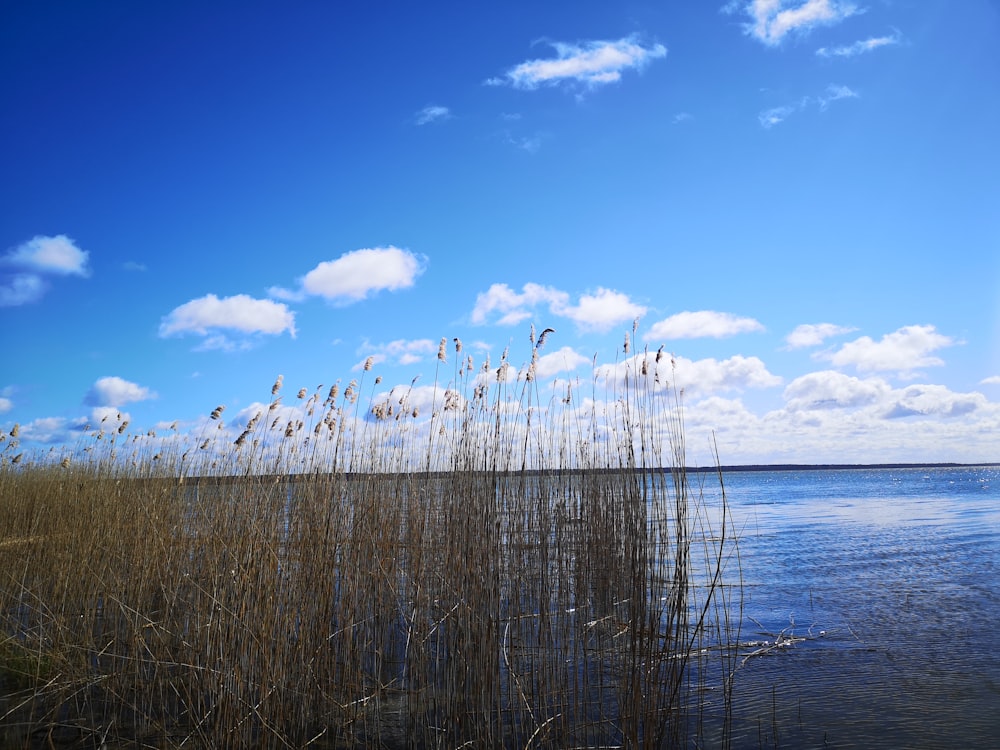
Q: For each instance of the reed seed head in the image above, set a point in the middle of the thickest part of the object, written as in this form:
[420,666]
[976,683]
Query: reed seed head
[217,411]
[442,357]
[368,363]
[277,385]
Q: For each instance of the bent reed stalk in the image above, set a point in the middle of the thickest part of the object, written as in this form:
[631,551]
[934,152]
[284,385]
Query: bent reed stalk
[506,571]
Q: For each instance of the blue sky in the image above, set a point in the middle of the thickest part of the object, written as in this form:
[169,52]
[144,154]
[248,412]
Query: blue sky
[797,199]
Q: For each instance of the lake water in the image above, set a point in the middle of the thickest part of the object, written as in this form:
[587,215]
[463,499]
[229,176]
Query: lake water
[891,579]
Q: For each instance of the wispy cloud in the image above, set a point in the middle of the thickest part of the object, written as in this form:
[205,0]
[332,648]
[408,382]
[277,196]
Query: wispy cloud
[833,93]
[599,311]
[432,113]
[681,117]
[772,20]
[701,324]
[5,405]
[400,351]
[591,63]
[213,318]
[115,391]
[991,380]
[814,334]
[133,266]
[35,259]
[768,118]
[776,115]
[355,275]
[902,351]
[859,47]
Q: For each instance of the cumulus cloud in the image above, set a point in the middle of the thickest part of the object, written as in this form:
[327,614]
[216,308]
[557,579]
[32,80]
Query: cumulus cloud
[210,316]
[33,260]
[696,378]
[701,324]
[833,390]
[991,380]
[903,351]
[355,275]
[563,360]
[591,63]
[859,47]
[933,400]
[602,310]
[814,334]
[5,405]
[599,311]
[53,430]
[772,20]
[432,114]
[115,391]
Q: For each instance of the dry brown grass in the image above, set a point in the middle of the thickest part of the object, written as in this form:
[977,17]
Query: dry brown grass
[507,572]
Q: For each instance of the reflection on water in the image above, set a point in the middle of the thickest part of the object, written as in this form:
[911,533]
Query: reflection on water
[890,577]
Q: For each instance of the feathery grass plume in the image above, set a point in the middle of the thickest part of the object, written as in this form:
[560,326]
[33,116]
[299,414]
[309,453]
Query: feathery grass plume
[628,345]
[368,364]
[277,385]
[458,345]
[123,426]
[544,335]
[378,379]
[301,394]
[442,356]
[217,412]
[16,430]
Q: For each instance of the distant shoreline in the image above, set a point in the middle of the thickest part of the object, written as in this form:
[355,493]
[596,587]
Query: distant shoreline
[832,467]
[738,468]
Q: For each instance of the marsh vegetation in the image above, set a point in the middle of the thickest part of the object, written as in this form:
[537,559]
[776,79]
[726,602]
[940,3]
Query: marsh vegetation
[510,569]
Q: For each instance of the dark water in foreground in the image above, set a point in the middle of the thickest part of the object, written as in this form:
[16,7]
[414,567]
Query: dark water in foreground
[892,578]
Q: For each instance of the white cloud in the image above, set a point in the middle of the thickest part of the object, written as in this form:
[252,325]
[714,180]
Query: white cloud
[772,20]
[400,351]
[36,258]
[704,376]
[599,311]
[991,380]
[696,378]
[592,63]
[20,289]
[115,391]
[830,389]
[903,351]
[52,430]
[602,310]
[512,306]
[835,92]
[681,117]
[774,116]
[209,315]
[933,400]
[768,118]
[131,265]
[355,275]
[432,114]
[814,334]
[701,324]
[563,360]
[56,255]
[859,47]
[5,405]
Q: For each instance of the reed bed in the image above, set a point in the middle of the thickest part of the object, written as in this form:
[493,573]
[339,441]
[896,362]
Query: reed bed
[507,571]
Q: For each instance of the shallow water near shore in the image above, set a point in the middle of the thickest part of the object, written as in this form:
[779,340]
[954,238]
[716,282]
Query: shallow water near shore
[871,603]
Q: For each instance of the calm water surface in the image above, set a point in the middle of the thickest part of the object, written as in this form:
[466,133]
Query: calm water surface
[891,578]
